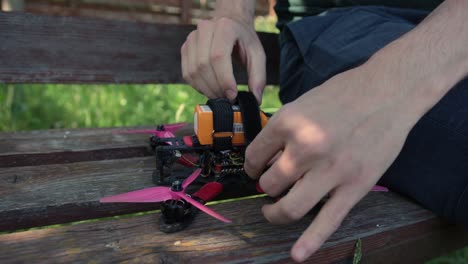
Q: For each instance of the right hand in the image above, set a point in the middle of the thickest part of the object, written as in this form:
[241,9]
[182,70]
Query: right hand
[207,63]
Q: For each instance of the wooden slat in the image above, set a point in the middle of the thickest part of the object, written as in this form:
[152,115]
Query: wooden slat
[381,221]
[108,13]
[161,6]
[50,194]
[42,147]
[43,195]
[48,49]
[69,145]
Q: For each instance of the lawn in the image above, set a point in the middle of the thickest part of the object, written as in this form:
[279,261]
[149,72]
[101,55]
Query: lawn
[45,106]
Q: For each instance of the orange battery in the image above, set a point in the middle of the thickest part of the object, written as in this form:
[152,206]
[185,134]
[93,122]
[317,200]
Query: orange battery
[203,125]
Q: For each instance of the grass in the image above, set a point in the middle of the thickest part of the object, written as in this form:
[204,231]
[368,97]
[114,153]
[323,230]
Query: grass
[45,106]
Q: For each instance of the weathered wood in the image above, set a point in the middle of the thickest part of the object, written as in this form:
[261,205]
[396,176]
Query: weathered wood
[65,146]
[43,195]
[160,7]
[48,49]
[102,12]
[41,147]
[186,11]
[50,194]
[381,220]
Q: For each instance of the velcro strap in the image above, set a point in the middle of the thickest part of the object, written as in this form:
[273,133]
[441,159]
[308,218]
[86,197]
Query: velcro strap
[223,118]
[250,112]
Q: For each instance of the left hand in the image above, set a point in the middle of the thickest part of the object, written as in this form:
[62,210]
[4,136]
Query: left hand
[338,139]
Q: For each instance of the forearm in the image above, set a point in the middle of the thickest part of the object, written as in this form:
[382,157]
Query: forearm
[428,61]
[243,10]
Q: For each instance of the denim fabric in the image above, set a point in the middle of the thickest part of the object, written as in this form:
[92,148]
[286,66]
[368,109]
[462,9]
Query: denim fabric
[291,10]
[432,167]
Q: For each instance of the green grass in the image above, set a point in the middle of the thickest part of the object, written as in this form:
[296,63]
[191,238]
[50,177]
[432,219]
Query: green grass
[44,106]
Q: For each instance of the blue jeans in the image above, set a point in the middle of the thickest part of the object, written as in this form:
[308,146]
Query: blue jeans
[432,167]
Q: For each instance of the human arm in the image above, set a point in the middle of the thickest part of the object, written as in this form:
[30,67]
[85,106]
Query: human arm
[340,137]
[206,54]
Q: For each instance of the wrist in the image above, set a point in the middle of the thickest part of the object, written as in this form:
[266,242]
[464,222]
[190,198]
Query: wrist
[242,11]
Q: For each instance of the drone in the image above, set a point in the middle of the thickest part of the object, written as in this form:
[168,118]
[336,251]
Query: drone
[215,153]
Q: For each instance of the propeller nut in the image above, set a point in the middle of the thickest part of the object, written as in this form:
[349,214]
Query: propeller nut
[176,186]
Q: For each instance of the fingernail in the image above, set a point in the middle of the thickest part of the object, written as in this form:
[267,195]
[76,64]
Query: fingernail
[231,94]
[300,254]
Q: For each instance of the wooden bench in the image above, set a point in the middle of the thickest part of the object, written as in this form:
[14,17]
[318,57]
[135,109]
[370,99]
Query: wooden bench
[57,176]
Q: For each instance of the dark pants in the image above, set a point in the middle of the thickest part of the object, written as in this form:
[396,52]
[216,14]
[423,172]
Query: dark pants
[432,168]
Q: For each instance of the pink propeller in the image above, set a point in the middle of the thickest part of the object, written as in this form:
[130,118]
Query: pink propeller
[159,194]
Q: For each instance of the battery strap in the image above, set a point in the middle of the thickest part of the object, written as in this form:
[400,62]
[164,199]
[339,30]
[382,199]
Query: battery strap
[250,112]
[223,119]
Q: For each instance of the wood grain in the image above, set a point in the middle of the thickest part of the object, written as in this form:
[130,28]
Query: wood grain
[50,194]
[48,49]
[42,147]
[380,221]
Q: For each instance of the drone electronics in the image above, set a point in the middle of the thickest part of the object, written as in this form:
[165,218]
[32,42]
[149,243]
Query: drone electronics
[222,133]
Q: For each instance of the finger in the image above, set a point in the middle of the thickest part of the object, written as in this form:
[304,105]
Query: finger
[326,222]
[196,81]
[305,194]
[256,68]
[205,31]
[281,175]
[184,62]
[220,57]
[264,147]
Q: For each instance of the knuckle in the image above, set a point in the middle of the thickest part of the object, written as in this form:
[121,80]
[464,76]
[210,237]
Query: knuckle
[321,148]
[217,55]
[202,66]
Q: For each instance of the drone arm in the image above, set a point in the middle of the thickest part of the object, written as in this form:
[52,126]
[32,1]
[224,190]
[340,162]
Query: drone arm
[209,191]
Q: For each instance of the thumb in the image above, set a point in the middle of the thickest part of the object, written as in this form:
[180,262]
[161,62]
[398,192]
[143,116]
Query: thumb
[256,69]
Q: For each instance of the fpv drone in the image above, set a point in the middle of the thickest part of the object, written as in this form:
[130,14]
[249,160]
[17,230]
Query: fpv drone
[216,151]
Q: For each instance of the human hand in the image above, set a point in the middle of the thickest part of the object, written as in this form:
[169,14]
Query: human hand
[206,57]
[337,139]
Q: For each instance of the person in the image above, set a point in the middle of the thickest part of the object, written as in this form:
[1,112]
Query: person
[371,94]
